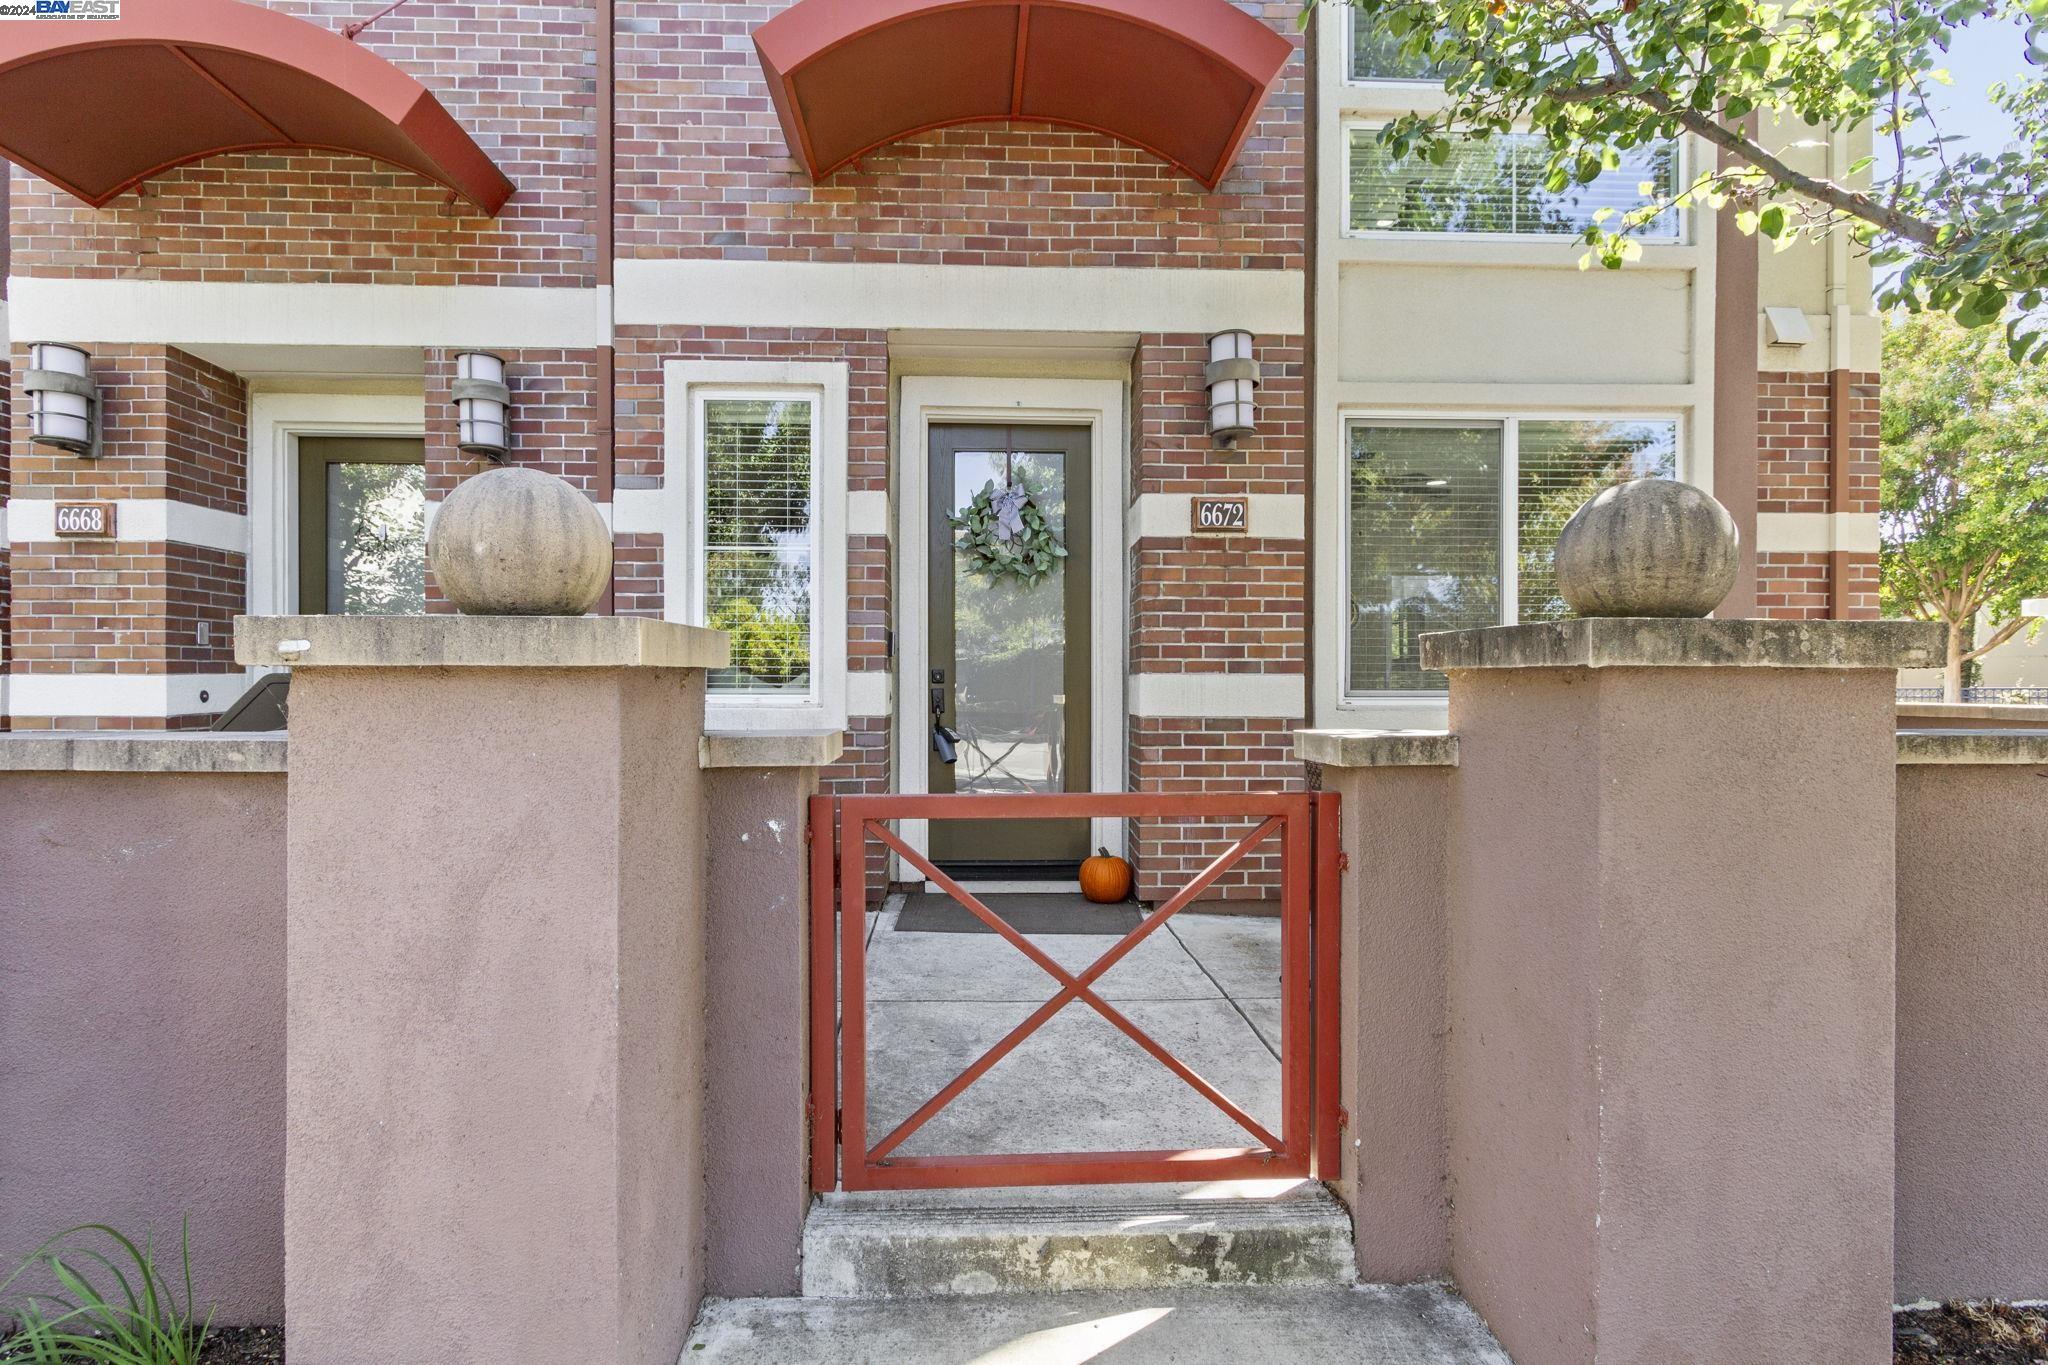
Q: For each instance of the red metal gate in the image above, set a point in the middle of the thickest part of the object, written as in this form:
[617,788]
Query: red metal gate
[1305,828]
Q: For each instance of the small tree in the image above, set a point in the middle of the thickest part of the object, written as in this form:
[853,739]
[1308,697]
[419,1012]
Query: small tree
[1964,485]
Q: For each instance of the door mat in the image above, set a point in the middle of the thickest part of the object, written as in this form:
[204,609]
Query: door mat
[927,913]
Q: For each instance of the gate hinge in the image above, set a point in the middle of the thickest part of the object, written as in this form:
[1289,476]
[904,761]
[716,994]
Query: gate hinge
[1343,1118]
[1343,862]
[839,1126]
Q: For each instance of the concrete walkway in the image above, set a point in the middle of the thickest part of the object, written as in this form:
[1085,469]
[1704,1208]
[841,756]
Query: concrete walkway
[1206,987]
[1371,1325]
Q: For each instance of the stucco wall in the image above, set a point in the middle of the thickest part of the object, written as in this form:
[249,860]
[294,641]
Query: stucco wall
[756,1144]
[1972,1212]
[142,1019]
[1393,1031]
[1670,1066]
[495,980]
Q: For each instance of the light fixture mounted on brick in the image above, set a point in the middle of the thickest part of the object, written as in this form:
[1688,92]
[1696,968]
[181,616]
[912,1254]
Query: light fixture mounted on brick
[482,404]
[1234,377]
[63,405]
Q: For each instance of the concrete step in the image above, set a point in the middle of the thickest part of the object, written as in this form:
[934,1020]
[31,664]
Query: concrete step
[1042,1241]
[1356,1325]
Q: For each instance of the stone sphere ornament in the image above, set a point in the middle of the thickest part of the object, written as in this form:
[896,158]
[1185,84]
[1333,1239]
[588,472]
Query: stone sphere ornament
[1648,547]
[517,542]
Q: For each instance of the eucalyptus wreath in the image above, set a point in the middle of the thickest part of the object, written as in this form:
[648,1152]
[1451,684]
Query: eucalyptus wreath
[1008,536]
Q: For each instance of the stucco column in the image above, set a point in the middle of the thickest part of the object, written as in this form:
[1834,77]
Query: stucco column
[757,915]
[1394,791]
[1670,995]
[494,967]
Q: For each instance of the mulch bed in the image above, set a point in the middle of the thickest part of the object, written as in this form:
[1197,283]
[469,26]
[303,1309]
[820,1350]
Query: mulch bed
[244,1346]
[236,1346]
[1970,1334]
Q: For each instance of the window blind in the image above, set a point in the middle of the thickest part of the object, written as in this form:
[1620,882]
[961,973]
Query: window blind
[1496,185]
[1562,465]
[1425,545]
[757,547]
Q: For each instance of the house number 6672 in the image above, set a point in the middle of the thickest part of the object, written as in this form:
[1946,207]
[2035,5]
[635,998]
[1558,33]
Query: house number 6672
[1221,516]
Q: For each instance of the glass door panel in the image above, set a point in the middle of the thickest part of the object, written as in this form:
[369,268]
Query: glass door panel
[362,527]
[1010,653]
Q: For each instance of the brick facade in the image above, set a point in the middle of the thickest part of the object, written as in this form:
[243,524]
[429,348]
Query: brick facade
[175,428]
[1797,471]
[699,172]
[1231,605]
[1014,194]
[519,77]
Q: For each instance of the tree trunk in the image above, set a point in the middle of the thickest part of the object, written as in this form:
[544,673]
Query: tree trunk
[1952,675]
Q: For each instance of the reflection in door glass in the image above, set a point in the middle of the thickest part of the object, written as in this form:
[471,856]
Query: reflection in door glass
[376,539]
[1010,643]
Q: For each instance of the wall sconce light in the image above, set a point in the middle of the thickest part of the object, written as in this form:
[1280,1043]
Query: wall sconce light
[1233,387]
[483,404]
[63,405]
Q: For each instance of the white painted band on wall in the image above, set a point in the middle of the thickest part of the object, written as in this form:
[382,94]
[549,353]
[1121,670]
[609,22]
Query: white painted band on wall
[640,512]
[867,513]
[148,695]
[33,521]
[1170,516]
[188,313]
[1024,299]
[1817,532]
[870,694]
[1204,696]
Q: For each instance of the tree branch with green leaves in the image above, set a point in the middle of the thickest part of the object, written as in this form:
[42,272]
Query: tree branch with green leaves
[1966,230]
[1963,487]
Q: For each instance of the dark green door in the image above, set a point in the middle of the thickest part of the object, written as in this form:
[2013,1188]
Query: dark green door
[1010,666]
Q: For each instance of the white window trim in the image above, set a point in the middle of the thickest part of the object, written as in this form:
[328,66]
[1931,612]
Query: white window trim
[277,423]
[1681,236]
[1509,424]
[687,384]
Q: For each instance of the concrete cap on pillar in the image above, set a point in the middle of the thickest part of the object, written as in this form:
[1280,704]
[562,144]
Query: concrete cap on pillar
[1662,642]
[475,642]
[1377,748]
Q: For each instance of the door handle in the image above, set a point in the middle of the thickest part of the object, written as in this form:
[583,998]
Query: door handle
[946,744]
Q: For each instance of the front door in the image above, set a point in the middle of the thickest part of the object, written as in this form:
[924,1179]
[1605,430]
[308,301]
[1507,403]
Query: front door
[1007,698]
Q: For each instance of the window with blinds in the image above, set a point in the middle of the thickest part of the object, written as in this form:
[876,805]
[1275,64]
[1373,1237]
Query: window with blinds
[1561,465]
[1424,544]
[1376,55]
[1441,510]
[1496,186]
[757,540]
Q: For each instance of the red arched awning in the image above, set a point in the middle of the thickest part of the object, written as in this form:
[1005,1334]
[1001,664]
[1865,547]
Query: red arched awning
[1183,79]
[98,107]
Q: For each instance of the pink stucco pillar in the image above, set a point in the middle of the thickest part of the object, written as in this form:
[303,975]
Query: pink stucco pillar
[494,968]
[1394,792]
[1670,892]
[757,1059]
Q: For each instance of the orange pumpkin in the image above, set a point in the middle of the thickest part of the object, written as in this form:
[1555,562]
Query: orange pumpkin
[1105,879]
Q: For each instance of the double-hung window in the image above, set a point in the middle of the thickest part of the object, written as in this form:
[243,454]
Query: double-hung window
[1452,524]
[766,542]
[1495,187]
